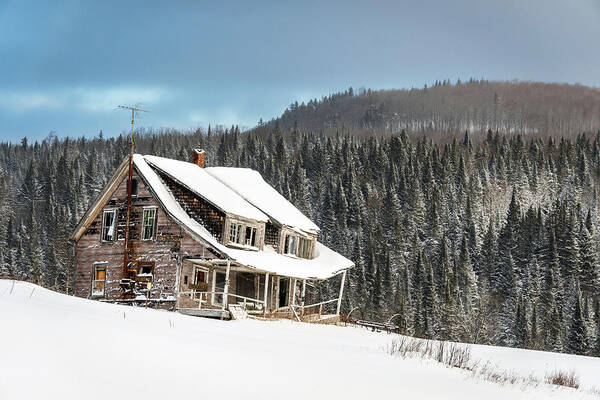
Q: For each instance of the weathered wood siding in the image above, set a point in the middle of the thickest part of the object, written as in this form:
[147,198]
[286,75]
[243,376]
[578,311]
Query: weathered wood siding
[170,245]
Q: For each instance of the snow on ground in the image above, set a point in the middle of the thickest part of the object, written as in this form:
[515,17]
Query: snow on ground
[54,346]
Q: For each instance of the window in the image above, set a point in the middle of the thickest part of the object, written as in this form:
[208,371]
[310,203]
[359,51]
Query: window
[134,187]
[238,237]
[200,284]
[297,246]
[146,270]
[304,248]
[291,244]
[99,279]
[243,234]
[149,225]
[250,236]
[200,276]
[108,226]
[235,233]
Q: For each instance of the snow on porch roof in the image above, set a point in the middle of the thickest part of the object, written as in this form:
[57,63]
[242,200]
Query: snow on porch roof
[326,263]
[204,185]
[251,186]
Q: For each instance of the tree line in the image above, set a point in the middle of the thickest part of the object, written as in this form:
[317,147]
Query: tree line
[445,108]
[492,241]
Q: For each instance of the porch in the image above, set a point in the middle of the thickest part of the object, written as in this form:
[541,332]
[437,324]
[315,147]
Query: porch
[225,289]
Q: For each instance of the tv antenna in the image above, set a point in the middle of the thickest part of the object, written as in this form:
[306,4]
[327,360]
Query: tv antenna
[129,269]
[134,111]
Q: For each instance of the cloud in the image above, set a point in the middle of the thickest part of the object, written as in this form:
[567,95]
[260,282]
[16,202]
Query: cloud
[20,102]
[94,100]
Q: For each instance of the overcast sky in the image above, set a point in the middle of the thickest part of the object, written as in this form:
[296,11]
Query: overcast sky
[66,65]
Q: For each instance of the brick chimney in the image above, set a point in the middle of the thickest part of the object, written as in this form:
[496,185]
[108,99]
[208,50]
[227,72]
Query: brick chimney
[198,157]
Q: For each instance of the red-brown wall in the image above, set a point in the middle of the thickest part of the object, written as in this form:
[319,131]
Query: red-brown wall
[170,246]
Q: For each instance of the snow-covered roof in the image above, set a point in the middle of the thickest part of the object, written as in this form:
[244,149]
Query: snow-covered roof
[172,207]
[251,186]
[204,185]
[324,265]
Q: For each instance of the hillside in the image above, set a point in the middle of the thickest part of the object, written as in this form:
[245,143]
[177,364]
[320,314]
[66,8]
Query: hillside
[56,346]
[492,242]
[535,108]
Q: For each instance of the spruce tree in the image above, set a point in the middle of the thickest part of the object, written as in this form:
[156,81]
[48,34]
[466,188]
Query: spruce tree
[576,342]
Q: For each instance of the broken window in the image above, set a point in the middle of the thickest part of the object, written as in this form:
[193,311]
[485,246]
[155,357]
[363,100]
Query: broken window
[134,187]
[250,236]
[99,279]
[146,270]
[149,225]
[108,226]
[291,244]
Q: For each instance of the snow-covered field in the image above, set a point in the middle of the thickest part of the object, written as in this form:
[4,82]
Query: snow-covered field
[54,346]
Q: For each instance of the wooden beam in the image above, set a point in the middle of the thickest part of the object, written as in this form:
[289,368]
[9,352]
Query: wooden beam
[214,286]
[303,294]
[339,304]
[226,289]
[266,292]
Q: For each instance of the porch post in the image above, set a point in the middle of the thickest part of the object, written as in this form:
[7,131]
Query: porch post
[294,294]
[303,294]
[339,304]
[226,289]
[265,297]
[214,285]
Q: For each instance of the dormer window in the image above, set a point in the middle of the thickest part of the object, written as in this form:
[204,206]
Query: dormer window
[244,235]
[235,233]
[297,246]
[304,248]
[250,236]
[290,245]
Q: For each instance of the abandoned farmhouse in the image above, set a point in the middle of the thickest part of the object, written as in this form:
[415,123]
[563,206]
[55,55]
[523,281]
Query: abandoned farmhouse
[217,242]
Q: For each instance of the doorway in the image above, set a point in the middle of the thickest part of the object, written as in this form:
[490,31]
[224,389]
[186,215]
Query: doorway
[219,287]
[284,291]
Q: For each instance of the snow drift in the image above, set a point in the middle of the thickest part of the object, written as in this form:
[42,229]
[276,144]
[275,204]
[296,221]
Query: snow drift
[55,346]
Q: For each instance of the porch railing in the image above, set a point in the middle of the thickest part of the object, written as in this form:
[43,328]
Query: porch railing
[202,297]
[303,308]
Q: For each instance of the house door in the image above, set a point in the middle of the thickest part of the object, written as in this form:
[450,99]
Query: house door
[219,287]
[284,284]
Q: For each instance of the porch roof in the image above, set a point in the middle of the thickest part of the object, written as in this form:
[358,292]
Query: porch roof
[325,265]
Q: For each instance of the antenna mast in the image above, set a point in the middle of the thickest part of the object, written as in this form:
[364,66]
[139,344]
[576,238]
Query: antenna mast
[127,253]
